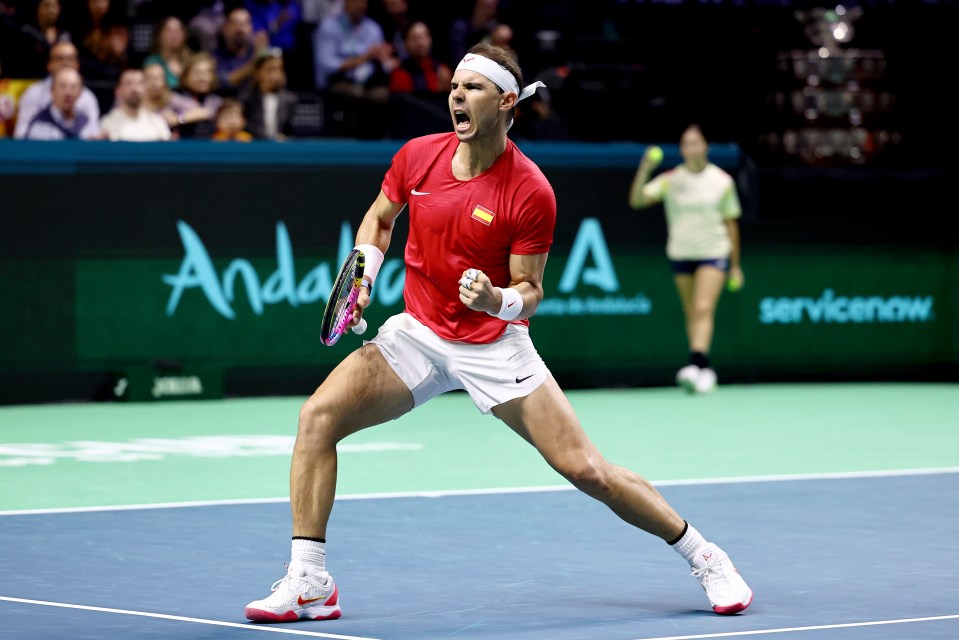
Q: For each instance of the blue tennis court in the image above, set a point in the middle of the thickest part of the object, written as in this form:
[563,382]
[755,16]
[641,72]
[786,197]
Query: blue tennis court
[846,554]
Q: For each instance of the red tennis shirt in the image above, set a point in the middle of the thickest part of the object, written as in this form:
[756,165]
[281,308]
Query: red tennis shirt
[457,225]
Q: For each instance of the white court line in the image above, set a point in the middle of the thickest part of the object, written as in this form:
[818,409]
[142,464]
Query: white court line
[274,629]
[759,632]
[440,493]
[163,616]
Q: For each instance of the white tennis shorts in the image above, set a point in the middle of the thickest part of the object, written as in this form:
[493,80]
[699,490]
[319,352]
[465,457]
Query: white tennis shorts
[491,374]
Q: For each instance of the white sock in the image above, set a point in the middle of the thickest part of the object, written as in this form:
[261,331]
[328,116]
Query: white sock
[690,544]
[311,555]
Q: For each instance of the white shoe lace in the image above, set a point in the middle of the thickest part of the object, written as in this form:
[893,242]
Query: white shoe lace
[712,570]
[287,582]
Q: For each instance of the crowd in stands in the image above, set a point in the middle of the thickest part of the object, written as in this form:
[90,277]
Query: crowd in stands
[240,70]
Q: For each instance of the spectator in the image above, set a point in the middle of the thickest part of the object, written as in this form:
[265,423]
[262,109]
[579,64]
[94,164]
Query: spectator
[204,28]
[467,31]
[420,72]
[60,119]
[63,55]
[30,42]
[231,123]
[536,119]
[350,49]
[157,95]
[500,36]
[169,49]
[102,38]
[195,96]
[10,92]
[353,63]
[395,19]
[236,55]
[269,106]
[279,19]
[130,120]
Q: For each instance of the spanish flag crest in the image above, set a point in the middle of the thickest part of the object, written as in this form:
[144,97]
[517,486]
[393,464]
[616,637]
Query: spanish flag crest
[483,214]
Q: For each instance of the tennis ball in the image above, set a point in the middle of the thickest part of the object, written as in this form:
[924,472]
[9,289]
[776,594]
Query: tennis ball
[655,154]
[734,284]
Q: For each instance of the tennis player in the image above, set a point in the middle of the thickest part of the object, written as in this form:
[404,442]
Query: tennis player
[481,223]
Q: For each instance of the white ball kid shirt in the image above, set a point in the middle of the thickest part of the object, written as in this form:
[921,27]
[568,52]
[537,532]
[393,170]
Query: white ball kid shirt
[697,205]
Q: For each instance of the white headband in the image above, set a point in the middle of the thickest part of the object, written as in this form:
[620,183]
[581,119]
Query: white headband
[497,74]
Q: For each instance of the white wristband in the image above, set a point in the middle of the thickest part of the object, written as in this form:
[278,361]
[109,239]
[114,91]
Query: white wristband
[373,258]
[512,305]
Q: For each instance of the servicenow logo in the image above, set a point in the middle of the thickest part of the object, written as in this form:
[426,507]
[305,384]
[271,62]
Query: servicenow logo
[844,309]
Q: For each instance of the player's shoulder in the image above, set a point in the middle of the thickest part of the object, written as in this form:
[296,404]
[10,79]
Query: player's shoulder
[429,141]
[521,164]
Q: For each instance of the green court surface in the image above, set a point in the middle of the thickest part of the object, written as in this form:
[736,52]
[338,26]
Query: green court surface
[87,455]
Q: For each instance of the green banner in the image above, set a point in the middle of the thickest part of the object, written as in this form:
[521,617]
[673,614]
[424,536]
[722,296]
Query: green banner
[606,309]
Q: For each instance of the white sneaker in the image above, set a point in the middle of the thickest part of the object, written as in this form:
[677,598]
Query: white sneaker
[296,596]
[687,377]
[706,381]
[725,588]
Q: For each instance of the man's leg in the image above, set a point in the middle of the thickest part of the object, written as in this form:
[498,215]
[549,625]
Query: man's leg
[360,392]
[547,421]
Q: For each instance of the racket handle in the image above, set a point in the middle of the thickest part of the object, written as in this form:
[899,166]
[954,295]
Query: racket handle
[360,329]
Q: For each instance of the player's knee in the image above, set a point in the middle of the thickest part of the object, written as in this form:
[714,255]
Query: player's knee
[314,422]
[587,476]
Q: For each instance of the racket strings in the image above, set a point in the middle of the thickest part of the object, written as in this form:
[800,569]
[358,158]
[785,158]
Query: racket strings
[346,298]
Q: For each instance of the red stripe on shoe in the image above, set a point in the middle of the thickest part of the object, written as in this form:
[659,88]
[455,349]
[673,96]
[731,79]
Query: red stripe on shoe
[734,608]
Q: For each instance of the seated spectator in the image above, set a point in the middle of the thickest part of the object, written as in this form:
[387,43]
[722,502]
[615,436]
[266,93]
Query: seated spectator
[269,106]
[204,27]
[420,72]
[29,46]
[130,120]
[500,36]
[169,49]
[279,19]
[230,123]
[466,31]
[177,110]
[60,120]
[10,92]
[395,18]
[63,55]
[157,95]
[102,39]
[535,119]
[236,55]
[353,63]
[196,96]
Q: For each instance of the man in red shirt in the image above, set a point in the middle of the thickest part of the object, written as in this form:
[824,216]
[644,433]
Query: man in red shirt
[481,224]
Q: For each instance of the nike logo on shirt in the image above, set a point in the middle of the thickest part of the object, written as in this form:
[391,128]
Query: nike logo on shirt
[419,193]
[518,379]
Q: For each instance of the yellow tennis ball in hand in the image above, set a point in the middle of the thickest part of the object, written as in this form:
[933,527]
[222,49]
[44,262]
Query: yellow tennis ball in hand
[655,154]
[734,284]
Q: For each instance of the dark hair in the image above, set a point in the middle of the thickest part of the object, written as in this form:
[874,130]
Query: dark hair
[694,128]
[228,104]
[505,58]
[269,53]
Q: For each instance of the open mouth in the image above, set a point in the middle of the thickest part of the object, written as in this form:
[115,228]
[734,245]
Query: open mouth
[461,120]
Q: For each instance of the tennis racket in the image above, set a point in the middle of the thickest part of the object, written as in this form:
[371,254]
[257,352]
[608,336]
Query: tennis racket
[339,308]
